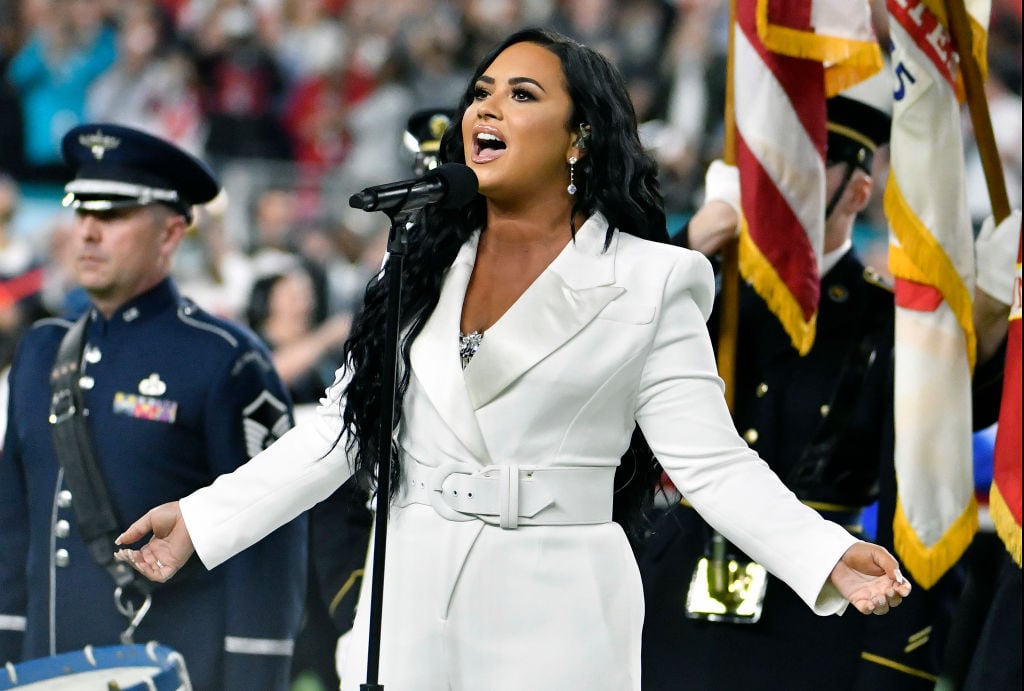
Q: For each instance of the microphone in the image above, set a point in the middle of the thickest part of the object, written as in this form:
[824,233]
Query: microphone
[452,185]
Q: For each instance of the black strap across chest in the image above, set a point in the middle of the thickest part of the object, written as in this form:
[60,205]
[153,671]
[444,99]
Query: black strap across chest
[72,441]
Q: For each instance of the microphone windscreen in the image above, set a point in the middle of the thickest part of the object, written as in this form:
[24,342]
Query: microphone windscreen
[460,182]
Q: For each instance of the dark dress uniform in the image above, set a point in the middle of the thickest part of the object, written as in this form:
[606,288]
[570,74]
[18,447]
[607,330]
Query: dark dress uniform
[823,422]
[175,398]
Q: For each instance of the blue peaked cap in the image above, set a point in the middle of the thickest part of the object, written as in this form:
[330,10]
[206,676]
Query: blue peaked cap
[117,167]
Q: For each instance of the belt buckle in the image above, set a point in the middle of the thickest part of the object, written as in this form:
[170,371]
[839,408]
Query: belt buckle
[436,487]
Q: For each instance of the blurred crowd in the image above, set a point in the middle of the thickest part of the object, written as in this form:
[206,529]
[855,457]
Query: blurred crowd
[297,104]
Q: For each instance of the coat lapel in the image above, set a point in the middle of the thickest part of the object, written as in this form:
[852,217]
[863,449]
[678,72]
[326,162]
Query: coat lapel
[564,299]
[435,355]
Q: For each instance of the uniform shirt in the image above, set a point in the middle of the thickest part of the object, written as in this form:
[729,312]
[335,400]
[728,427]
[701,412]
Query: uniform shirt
[175,397]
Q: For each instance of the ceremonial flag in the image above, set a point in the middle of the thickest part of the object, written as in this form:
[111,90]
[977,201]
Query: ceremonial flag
[1005,495]
[931,256]
[787,58]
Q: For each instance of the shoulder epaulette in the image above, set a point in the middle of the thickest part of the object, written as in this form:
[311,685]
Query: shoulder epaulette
[872,277]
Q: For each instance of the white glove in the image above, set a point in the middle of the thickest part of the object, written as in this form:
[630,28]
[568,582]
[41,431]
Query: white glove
[722,182]
[995,251]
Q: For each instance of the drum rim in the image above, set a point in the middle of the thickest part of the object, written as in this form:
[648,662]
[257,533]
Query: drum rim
[168,662]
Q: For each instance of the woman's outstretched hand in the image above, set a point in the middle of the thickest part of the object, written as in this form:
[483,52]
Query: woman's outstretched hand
[869,577]
[168,549]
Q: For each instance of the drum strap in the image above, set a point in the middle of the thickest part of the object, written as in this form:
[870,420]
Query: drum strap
[72,441]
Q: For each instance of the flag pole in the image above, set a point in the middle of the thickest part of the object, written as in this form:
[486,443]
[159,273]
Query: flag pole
[729,312]
[974,89]
[729,320]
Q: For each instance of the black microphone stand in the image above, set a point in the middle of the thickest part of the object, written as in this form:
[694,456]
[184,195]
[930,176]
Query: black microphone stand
[401,220]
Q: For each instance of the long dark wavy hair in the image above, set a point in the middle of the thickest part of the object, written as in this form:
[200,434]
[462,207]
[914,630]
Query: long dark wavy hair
[616,177]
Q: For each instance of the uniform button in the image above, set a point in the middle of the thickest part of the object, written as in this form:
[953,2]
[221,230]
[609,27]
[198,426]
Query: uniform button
[824,409]
[61,558]
[62,528]
[86,382]
[839,293]
[93,355]
[761,390]
[751,436]
[64,498]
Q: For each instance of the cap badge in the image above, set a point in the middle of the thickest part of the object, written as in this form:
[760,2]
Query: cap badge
[438,124]
[98,143]
[152,386]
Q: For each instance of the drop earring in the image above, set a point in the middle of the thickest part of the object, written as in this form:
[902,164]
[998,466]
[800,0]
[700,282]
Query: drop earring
[572,184]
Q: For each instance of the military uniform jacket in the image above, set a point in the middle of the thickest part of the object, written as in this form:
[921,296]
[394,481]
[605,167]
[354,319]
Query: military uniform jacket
[821,420]
[175,397]
[602,340]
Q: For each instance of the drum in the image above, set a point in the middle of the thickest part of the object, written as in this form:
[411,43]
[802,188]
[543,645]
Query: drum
[149,667]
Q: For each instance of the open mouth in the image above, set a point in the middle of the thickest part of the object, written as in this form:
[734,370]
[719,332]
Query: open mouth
[487,146]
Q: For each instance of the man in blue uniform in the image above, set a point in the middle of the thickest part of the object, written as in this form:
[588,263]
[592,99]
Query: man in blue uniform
[172,398]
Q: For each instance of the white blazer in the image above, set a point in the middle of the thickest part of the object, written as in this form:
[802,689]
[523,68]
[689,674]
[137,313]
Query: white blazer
[602,339]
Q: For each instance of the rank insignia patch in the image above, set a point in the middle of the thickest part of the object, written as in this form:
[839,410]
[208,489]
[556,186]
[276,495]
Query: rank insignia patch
[145,407]
[265,420]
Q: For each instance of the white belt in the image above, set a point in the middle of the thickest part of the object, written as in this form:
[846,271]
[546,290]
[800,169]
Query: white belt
[510,495]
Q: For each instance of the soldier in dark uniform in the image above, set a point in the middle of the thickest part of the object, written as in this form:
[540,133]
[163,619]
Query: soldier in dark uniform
[823,422]
[175,397]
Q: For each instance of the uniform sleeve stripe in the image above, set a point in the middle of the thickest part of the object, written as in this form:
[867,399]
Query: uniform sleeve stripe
[258,646]
[899,667]
[9,622]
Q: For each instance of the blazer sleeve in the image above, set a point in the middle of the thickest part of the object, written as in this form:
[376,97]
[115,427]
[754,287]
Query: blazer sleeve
[294,473]
[683,414]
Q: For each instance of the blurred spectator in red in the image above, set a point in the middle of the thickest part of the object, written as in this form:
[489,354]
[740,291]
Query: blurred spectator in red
[242,86]
[315,113]
[152,86]
[21,275]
